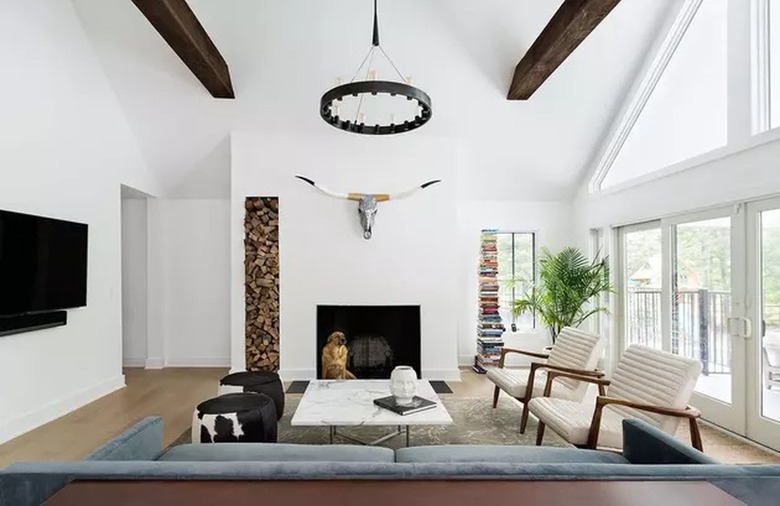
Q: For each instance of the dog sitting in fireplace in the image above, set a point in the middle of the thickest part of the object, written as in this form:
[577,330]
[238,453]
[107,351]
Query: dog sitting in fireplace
[334,358]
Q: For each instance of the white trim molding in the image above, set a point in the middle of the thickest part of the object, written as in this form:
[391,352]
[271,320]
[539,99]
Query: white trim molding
[133,362]
[14,427]
[643,90]
[155,363]
[222,362]
[761,99]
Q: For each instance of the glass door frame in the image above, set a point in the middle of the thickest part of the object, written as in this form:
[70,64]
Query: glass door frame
[728,415]
[621,300]
[759,428]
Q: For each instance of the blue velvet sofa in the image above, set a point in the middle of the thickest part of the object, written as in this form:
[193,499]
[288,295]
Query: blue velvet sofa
[137,454]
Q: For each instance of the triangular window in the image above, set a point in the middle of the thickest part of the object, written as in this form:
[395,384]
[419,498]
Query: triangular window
[686,114]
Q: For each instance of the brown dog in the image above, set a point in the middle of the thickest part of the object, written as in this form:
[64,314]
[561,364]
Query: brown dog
[334,358]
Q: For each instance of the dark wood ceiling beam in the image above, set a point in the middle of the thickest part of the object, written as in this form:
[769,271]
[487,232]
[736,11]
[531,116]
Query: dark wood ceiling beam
[570,25]
[178,25]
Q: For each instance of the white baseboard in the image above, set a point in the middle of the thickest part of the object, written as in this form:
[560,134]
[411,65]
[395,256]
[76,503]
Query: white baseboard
[297,374]
[155,363]
[441,374]
[466,360]
[15,427]
[197,362]
[133,362]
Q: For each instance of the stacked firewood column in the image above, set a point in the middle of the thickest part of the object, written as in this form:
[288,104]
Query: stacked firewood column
[261,263]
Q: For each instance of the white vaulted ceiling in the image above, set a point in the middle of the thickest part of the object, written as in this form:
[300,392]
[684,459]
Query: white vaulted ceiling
[283,54]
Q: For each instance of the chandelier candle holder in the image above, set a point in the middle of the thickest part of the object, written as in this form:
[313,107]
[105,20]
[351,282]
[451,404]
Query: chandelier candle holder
[370,86]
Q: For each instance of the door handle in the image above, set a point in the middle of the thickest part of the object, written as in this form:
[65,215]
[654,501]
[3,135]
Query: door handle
[740,327]
[748,327]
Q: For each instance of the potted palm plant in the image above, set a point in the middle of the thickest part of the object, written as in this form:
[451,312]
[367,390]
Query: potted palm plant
[568,281]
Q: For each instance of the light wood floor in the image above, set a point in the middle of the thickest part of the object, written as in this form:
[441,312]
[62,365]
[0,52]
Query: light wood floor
[172,394]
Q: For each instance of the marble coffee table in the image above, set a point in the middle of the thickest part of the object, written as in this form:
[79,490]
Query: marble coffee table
[350,403]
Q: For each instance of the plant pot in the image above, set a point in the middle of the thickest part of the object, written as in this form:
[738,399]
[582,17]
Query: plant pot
[403,384]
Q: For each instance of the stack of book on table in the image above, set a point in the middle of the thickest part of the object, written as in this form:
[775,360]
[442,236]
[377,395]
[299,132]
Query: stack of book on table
[418,404]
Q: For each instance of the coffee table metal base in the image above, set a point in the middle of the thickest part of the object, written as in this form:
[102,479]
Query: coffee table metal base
[400,430]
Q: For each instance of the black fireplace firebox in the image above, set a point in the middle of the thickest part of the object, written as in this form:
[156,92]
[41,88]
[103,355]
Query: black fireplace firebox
[378,337]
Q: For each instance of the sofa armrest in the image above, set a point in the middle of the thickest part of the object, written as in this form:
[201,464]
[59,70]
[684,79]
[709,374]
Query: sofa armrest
[142,441]
[645,444]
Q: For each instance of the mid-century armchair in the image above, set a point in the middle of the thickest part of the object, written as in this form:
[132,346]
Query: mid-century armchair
[652,385]
[575,352]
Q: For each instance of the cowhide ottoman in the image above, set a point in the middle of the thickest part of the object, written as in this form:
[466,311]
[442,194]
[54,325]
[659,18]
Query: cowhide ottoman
[233,418]
[263,382]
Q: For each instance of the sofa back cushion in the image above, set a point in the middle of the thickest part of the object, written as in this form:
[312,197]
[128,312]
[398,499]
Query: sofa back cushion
[504,454]
[142,441]
[276,452]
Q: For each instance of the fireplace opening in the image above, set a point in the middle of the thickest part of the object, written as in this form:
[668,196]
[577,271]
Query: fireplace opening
[378,337]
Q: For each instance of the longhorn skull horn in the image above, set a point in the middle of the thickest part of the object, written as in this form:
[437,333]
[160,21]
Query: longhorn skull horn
[349,196]
[367,202]
[412,191]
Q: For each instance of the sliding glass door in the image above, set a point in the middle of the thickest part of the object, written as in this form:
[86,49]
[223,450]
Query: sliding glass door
[762,326]
[707,286]
[705,290]
[677,282]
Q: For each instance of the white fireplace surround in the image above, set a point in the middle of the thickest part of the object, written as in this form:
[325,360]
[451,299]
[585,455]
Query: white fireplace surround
[324,259]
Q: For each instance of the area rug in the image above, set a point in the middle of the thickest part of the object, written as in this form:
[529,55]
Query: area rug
[475,422]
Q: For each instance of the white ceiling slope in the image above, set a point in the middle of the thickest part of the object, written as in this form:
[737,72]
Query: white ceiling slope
[283,54]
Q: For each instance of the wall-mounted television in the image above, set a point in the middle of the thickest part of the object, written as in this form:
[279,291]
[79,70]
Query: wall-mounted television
[43,264]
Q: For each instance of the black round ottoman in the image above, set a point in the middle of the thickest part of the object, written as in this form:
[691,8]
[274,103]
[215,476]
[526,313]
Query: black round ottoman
[234,418]
[262,382]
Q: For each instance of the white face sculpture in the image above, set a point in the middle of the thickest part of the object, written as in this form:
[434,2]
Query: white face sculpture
[405,388]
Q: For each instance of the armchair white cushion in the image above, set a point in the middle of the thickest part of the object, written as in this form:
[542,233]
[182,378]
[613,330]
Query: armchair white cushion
[770,352]
[573,349]
[644,376]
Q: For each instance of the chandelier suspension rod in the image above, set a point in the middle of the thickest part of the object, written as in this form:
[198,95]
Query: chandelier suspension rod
[376,26]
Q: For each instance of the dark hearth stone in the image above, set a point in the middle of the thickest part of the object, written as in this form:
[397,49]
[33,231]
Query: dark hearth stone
[263,382]
[234,418]
[297,387]
[440,387]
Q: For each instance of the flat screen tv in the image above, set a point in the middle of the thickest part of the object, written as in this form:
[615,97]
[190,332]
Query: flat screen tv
[43,264]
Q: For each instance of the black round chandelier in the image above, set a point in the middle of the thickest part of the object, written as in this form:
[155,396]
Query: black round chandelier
[361,91]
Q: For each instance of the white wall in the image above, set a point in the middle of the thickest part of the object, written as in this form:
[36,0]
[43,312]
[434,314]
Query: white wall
[64,150]
[196,272]
[551,221]
[135,298]
[324,260]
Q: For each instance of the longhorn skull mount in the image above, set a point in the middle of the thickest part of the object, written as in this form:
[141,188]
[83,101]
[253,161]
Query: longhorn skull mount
[367,202]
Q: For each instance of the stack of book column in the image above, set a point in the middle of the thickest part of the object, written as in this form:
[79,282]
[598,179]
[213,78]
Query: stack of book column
[490,328]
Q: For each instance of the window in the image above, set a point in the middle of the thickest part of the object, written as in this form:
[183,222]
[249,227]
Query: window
[774,64]
[680,110]
[640,284]
[516,274]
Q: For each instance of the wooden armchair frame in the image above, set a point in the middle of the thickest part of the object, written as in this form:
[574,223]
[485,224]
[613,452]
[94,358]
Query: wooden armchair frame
[529,389]
[691,413]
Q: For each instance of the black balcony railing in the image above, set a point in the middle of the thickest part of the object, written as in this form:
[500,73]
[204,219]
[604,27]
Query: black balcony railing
[699,325]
